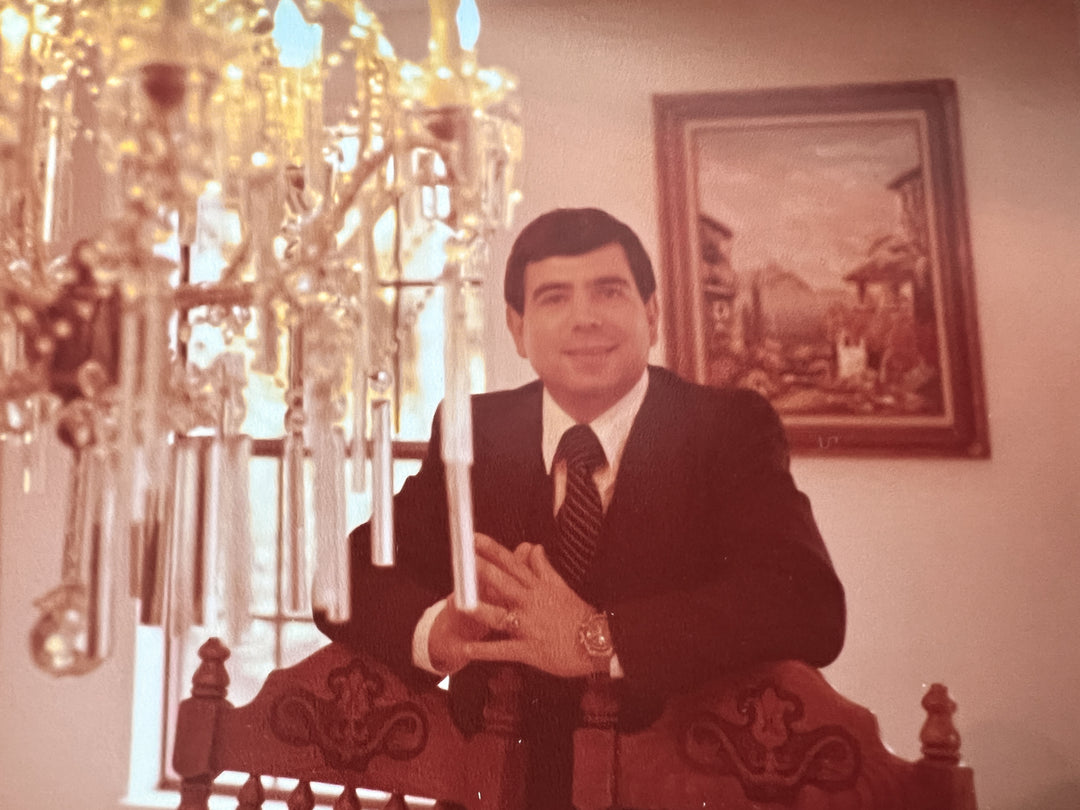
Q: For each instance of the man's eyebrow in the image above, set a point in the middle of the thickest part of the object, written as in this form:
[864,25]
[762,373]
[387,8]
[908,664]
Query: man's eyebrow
[609,281]
[549,287]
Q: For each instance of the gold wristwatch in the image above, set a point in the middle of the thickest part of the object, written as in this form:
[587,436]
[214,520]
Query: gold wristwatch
[594,636]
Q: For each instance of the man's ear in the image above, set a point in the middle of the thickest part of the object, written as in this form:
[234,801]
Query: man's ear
[516,324]
[652,314]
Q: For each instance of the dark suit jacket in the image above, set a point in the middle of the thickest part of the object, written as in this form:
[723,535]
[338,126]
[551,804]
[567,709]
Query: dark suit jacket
[709,558]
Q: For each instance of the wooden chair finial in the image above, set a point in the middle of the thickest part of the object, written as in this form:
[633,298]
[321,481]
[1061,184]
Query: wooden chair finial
[939,737]
[211,680]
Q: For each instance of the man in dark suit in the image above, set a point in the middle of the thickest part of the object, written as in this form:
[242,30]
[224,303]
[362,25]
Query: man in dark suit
[693,553]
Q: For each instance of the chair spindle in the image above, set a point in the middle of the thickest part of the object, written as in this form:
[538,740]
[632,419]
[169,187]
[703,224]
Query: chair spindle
[251,794]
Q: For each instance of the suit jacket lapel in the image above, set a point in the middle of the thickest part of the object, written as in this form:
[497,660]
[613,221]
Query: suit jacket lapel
[635,484]
[643,506]
[511,452]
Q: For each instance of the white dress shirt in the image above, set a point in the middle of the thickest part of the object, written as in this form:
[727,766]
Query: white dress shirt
[612,428]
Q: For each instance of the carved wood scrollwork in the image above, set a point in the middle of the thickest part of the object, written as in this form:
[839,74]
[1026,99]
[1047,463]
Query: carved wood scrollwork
[355,724]
[761,745]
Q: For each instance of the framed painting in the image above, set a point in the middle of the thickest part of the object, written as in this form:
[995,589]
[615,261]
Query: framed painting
[816,249]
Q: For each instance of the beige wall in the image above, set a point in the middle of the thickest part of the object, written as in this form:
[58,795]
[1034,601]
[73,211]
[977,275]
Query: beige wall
[961,571]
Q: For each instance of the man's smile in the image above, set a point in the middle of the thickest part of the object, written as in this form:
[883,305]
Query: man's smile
[589,351]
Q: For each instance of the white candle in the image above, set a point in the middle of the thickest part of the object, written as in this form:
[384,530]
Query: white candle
[330,586]
[382,485]
[457,435]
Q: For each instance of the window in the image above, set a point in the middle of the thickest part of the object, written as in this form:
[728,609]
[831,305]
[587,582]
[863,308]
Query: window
[278,634]
[407,317]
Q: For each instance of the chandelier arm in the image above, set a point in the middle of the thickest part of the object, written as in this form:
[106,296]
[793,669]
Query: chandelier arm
[230,273]
[363,172]
[189,296]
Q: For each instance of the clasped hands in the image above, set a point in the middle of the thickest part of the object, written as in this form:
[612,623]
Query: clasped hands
[527,614]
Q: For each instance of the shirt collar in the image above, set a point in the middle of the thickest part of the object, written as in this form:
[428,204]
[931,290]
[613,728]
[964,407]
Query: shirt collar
[612,427]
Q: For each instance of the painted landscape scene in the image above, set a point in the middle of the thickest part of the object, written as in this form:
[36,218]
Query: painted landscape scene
[815,265]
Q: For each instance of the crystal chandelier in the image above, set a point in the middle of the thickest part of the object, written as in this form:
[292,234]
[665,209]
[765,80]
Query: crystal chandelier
[261,227]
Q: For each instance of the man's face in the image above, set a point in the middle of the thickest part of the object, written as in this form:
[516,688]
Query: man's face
[584,328]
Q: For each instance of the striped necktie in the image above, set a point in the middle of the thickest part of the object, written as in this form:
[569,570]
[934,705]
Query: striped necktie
[579,518]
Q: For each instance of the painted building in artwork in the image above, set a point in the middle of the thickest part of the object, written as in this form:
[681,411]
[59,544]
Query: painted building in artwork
[719,288]
[718,283]
[894,289]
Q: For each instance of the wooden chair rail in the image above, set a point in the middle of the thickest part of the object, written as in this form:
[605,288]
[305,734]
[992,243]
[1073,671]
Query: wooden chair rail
[776,736]
[345,719]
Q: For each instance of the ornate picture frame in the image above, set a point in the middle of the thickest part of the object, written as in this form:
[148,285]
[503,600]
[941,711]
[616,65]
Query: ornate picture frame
[815,247]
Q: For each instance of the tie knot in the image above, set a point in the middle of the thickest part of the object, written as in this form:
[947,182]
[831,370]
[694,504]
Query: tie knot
[579,446]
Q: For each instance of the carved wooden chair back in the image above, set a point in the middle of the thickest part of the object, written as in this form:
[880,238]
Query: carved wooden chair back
[342,718]
[777,736]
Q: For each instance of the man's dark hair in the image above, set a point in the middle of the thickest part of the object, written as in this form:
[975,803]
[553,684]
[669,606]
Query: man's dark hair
[572,232]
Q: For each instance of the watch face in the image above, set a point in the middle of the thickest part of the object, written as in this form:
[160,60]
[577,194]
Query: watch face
[595,636]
